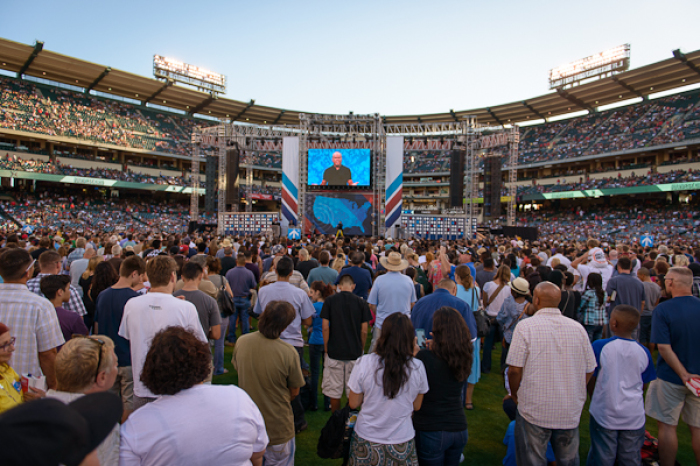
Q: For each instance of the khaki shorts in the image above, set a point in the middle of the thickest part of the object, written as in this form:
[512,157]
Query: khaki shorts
[124,387]
[376,333]
[336,375]
[666,402]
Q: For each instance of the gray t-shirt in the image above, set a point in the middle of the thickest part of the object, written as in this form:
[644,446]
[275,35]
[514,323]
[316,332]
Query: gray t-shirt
[283,291]
[207,308]
[652,292]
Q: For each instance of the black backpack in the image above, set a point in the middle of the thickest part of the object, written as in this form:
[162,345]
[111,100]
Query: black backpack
[334,442]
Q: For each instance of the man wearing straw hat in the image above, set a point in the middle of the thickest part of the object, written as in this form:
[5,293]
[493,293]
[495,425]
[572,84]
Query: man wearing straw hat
[391,292]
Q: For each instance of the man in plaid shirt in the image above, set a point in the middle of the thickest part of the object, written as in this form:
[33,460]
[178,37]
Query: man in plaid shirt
[50,264]
[551,361]
[31,319]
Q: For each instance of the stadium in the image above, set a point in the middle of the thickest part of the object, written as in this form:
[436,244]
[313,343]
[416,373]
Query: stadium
[608,162]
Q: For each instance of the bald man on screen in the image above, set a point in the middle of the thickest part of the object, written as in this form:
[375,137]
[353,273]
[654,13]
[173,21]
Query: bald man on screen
[338,174]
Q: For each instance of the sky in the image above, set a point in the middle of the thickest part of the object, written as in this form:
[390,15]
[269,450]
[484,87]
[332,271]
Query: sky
[390,57]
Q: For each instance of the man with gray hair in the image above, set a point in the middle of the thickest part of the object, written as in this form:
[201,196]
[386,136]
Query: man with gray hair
[675,330]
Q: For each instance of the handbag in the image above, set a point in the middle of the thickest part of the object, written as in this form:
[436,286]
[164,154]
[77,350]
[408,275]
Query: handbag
[225,301]
[483,323]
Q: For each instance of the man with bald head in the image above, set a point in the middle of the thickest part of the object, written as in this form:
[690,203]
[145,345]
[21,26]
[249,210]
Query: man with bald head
[444,295]
[337,174]
[551,361]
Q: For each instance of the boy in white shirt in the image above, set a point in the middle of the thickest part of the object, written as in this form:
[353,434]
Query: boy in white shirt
[616,389]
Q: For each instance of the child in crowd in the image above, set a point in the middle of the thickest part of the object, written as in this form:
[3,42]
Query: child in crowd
[318,292]
[56,288]
[616,388]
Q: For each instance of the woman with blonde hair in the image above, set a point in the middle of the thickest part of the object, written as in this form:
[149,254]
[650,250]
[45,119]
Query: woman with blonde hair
[339,262]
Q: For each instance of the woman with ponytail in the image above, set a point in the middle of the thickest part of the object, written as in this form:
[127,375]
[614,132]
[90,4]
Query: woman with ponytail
[389,384]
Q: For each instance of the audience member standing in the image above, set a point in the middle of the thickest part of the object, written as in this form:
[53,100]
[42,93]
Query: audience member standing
[32,318]
[361,276]
[108,317]
[269,371]
[617,393]
[241,281]
[392,292]
[323,273]
[652,293]
[345,317]
[494,293]
[550,362]
[146,315]
[440,423]
[675,328]
[50,263]
[282,290]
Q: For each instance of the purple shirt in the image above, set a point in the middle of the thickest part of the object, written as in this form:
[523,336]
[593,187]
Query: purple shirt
[70,323]
[253,268]
[241,280]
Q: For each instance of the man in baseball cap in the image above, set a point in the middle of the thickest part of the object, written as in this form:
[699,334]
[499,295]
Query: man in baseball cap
[49,432]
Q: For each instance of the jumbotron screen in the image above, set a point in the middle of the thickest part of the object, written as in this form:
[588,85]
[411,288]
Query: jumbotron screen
[339,167]
[324,210]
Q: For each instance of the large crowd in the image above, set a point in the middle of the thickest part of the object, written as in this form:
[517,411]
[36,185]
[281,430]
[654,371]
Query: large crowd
[147,316]
[38,108]
[12,162]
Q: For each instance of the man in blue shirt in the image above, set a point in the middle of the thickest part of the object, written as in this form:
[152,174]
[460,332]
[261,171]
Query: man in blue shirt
[444,295]
[675,328]
[242,281]
[362,277]
[109,310]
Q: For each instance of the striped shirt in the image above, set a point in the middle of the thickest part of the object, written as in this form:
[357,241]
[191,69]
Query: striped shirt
[555,355]
[592,313]
[33,322]
[75,303]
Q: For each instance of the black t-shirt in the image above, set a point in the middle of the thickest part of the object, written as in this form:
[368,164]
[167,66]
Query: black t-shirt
[227,263]
[345,313]
[37,252]
[307,266]
[442,405]
[339,177]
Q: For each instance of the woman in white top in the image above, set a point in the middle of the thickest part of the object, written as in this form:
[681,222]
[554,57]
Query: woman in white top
[495,293]
[191,422]
[389,384]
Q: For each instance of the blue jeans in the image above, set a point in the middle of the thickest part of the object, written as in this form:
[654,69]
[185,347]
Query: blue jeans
[608,445]
[242,308]
[595,332]
[316,356]
[531,444]
[219,348]
[440,447]
[492,338]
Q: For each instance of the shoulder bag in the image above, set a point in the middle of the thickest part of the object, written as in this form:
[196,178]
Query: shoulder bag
[225,300]
[483,323]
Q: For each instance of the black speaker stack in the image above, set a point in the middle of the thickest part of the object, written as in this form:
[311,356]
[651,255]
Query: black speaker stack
[457,178]
[492,186]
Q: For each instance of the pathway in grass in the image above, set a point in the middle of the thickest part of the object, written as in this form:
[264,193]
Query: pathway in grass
[487,425]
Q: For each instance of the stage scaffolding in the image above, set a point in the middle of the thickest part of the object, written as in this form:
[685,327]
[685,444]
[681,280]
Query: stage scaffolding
[348,129]
[329,129]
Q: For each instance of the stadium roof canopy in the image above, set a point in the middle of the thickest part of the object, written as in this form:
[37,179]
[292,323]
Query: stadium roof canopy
[676,71]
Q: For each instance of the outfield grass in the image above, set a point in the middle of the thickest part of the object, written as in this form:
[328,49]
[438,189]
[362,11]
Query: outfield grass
[487,424]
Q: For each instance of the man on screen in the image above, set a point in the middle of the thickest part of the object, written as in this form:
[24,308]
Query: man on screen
[338,174]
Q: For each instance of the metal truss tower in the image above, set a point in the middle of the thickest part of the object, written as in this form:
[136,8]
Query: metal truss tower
[514,141]
[347,129]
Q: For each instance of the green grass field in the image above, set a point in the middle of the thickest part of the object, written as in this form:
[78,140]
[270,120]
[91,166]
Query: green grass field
[487,425]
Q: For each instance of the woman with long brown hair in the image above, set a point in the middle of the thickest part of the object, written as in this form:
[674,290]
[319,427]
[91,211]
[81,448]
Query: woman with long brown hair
[389,384]
[441,427]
